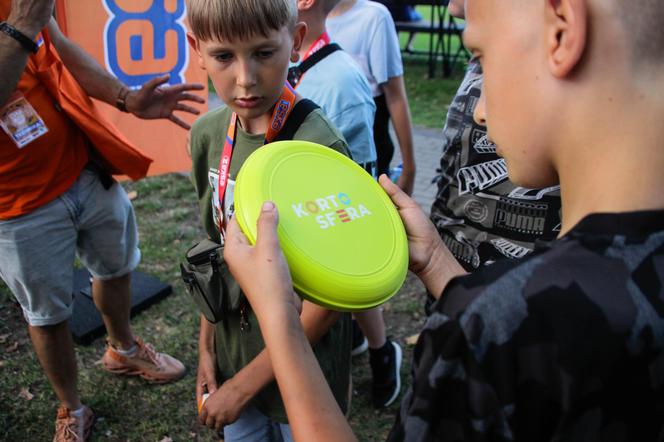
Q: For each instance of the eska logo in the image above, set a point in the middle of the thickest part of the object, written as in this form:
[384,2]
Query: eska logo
[144,39]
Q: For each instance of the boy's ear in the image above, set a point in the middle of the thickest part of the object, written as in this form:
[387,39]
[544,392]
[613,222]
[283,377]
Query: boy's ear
[567,33]
[304,5]
[193,42]
[298,37]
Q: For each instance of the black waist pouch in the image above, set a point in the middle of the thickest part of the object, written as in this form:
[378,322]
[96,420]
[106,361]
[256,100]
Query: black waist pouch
[209,282]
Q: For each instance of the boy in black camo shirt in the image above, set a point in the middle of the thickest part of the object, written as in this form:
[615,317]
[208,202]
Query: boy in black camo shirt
[566,344]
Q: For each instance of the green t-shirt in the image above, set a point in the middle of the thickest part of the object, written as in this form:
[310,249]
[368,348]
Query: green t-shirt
[235,347]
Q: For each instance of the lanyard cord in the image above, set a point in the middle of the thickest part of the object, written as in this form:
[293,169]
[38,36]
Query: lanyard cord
[317,45]
[282,110]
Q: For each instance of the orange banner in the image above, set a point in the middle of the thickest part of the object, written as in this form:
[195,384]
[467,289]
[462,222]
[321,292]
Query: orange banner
[137,40]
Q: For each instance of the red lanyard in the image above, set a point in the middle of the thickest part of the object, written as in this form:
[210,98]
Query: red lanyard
[294,74]
[281,112]
[317,45]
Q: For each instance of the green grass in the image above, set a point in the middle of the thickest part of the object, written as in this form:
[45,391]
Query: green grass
[428,98]
[131,410]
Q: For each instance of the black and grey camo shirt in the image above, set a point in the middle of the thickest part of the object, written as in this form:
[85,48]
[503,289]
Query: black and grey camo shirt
[564,345]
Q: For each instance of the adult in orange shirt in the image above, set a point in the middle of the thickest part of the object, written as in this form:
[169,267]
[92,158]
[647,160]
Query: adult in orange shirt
[57,198]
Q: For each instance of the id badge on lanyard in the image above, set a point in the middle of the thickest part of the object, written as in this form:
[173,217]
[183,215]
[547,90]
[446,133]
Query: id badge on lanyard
[20,121]
[282,110]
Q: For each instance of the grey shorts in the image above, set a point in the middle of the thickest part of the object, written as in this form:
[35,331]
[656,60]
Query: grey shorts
[37,250]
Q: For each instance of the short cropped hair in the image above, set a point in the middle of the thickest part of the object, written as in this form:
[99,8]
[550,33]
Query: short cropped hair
[229,20]
[643,21]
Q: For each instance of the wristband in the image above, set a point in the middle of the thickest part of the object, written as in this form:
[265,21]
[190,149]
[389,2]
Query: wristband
[121,101]
[25,41]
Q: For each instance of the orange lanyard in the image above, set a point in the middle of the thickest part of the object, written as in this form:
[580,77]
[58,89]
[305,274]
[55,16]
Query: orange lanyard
[282,110]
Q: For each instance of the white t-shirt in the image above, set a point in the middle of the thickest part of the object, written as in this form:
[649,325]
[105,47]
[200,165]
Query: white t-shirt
[367,32]
[337,85]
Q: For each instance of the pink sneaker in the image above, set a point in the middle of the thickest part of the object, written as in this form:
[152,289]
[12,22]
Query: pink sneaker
[69,428]
[155,367]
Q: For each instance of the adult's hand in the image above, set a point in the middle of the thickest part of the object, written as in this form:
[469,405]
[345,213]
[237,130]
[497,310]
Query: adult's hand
[429,258]
[154,101]
[30,16]
[274,288]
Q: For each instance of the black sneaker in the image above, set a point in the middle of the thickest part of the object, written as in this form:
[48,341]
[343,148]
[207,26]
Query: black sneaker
[360,343]
[385,368]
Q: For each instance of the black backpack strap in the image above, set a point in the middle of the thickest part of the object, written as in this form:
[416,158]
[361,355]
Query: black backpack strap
[297,116]
[296,72]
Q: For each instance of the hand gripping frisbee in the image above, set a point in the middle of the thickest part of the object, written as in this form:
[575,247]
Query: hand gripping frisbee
[342,237]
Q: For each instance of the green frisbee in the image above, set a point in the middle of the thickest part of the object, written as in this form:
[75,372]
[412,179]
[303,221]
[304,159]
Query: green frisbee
[342,237]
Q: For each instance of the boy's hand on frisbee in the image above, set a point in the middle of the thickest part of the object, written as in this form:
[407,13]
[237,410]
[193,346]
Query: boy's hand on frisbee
[430,259]
[422,235]
[261,270]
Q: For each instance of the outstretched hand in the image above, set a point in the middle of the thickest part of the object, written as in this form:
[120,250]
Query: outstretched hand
[154,100]
[261,270]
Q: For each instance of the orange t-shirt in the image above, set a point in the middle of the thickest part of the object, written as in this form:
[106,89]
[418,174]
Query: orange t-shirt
[47,126]
[47,166]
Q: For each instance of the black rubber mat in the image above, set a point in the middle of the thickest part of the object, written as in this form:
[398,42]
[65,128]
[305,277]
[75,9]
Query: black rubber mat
[86,324]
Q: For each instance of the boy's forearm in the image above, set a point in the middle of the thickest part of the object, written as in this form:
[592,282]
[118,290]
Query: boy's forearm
[303,387]
[314,413]
[316,321]
[206,337]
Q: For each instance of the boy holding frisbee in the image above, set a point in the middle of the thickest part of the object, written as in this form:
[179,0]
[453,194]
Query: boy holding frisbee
[567,343]
[246,47]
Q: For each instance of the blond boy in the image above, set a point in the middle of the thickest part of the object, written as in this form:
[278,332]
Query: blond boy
[568,343]
[246,47]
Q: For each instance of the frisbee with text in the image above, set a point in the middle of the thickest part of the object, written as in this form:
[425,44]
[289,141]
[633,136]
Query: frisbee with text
[342,237]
